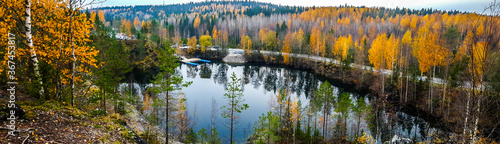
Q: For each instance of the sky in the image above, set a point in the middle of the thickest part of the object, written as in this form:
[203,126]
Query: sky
[462,5]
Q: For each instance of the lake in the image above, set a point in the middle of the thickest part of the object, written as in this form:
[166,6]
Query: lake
[261,84]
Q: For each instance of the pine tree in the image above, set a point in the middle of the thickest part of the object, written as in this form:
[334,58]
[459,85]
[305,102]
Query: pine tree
[324,98]
[234,95]
[166,80]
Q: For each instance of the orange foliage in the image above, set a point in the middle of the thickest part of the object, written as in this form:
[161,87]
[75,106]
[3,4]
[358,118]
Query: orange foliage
[342,46]
[428,50]
[286,48]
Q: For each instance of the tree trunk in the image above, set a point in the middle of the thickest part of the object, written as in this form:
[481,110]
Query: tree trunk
[406,90]
[383,83]
[58,79]
[477,120]
[232,118]
[466,118]
[445,83]
[29,41]
[279,127]
[166,113]
[315,126]
[308,119]
[324,119]
[432,85]
[72,54]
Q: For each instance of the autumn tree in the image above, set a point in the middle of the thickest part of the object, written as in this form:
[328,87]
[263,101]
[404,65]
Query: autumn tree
[137,22]
[360,51]
[192,45]
[205,41]
[225,38]
[247,45]
[377,55]
[391,52]
[290,116]
[234,95]
[315,41]
[270,40]
[341,47]
[196,22]
[243,35]
[60,40]
[262,34]
[286,48]
[215,35]
[101,16]
[429,53]
[404,61]
[299,38]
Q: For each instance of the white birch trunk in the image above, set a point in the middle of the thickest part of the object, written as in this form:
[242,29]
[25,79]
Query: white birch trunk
[29,41]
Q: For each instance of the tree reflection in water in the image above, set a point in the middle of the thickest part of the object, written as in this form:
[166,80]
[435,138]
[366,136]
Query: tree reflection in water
[205,71]
[262,83]
[220,76]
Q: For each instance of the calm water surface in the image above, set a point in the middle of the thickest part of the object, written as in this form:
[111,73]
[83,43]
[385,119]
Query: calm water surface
[261,85]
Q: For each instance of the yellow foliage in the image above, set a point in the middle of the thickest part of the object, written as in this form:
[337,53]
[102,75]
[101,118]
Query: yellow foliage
[192,43]
[462,51]
[406,38]
[344,21]
[316,40]
[196,22]
[247,44]
[101,16]
[392,51]
[365,139]
[52,39]
[342,46]
[137,22]
[93,15]
[262,34]
[414,22]
[215,34]
[480,30]
[361,32]
[286,48]
[405,21]
[384,51]
[428,51]
[205,41]
[377,51]
[479,54]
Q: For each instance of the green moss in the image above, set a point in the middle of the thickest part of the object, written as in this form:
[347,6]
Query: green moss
[75,112]
[127,134]
[97,126]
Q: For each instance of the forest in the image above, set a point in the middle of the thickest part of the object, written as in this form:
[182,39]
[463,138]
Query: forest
[81,62]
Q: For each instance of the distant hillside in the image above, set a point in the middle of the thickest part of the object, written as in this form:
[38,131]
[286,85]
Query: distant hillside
[249,8]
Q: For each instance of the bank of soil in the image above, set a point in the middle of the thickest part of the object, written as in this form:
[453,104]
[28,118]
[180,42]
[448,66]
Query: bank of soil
[51,122]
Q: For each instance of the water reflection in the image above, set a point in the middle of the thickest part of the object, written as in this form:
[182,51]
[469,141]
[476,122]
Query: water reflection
[220,76]
[205,71]
[192,71]
[261,84]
